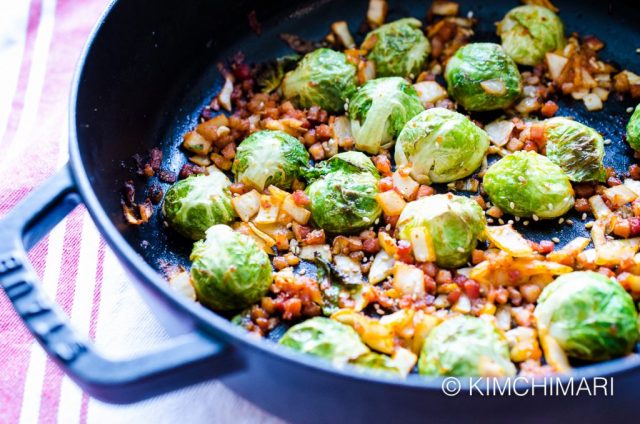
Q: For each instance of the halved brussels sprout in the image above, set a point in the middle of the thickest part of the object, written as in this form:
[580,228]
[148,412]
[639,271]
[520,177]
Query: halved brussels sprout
[530,31]
[466,346]
[398,48]
[323,78]
[453,224]
[576,148]
[481,76]
[194,204]
[528,184]
[343,198]
[589,315]
[325,338]
[441,145]
[269,158]
[379,110]
[229,270]
[633,130]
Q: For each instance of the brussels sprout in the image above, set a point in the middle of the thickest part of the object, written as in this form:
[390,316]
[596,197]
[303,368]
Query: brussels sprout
[441,145]
[633,130]
[229,270]
[528,32]
[323,78]
[343,198]
[528,184]
[326,338]
[269,75]
[589,315]
[466,346]
[194,204]
[269,157]
[481,76]
[455,224]
[576,148]
[398,48]
[379,110]
[377,363]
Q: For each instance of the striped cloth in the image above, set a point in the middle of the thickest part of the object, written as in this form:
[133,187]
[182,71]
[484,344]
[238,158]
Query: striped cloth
[40,41]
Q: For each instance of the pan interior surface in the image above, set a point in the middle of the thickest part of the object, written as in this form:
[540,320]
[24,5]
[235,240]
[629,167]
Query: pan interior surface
[145,84]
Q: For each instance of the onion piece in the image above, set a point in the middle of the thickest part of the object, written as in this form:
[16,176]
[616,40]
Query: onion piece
[381,267]
[494,87]
[408,280]
[500,131]
[430,91]
[224,97]
[556,64]
[377,13]
[341,30]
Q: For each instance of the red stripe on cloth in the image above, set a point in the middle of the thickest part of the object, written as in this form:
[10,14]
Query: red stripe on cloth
[64,298]
[35,9]
[15,346]
[95,309]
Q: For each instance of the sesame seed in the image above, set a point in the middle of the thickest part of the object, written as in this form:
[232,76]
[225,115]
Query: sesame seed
[470,15]
[638,50]
[535,217]
[569,222]
[490,220]
[629,109]
[561,220]
[377,221]
[517,218]
[512,205]
[549,206]
[525,223]
[460,249]
[302,271]
[584,216]
[366,219]
[388,227]
[500,221]
[510,222]
[555,240]
[607,141]
[588,224]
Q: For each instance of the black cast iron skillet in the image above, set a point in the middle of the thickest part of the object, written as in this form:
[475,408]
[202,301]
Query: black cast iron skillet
[147,70]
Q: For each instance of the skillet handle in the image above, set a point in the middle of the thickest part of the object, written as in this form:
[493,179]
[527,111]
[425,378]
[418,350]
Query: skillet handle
[185,360]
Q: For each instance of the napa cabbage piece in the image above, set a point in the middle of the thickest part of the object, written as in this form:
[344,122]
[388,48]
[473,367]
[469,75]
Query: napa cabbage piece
[269,158]
[441,145]
[229,270]
[481,77]
[398,48]
[466,346]
[451,226]
[576,148]
[322,78]
[528,184]
[529,32]
[196,203]
[589,315]
[379,110]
